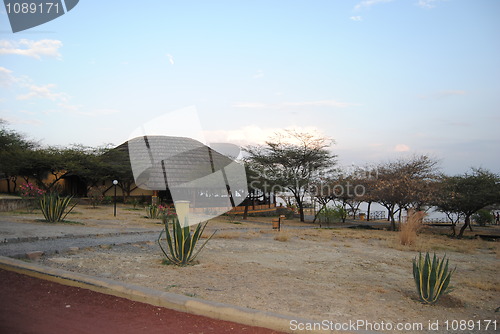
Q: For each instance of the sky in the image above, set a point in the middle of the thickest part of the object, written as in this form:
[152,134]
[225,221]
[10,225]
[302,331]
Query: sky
[384,78]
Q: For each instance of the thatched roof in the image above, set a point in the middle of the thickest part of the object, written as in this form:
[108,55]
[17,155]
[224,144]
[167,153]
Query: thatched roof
[161,162]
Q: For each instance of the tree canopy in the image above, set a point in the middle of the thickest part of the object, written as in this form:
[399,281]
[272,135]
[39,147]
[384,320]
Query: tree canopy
[468,193]
[288,161]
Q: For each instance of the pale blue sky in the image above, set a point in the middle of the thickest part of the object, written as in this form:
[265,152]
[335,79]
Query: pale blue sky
[383,78]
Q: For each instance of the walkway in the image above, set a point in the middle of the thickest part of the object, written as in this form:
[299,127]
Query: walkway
[31,305]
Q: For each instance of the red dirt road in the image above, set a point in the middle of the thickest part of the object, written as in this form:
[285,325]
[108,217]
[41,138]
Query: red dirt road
[31,305]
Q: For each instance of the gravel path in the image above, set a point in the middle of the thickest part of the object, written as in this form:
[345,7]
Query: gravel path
[70,243]
[19,239]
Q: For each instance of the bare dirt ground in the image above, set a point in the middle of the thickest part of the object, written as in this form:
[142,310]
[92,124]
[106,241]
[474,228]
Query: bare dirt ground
[338,275]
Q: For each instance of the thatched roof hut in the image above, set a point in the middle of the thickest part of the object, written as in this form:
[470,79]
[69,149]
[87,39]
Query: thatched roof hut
[187,168]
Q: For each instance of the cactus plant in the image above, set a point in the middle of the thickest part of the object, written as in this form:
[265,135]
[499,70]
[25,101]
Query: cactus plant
[181,242]
[432,278]
[53,207]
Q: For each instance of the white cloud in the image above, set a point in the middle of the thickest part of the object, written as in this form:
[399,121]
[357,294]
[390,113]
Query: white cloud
[369,3]
[6,78]
[170,59]
[282,105]
[401,148]
[29,48]
[42,92]
[356,18]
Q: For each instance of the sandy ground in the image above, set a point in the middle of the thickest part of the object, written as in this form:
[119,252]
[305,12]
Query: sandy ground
[338,275]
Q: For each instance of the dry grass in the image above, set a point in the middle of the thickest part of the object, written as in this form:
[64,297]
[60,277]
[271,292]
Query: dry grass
[282,236]
[224,235]
[232,235]
[481,285]
[409,229]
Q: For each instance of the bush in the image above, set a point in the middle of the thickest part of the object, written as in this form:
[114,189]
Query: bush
[181,242]
[483,217]
[431,278]
[280,211]
[409,229]
[154,211]
[332,215]
[54,207]
[31,195]
[95,195]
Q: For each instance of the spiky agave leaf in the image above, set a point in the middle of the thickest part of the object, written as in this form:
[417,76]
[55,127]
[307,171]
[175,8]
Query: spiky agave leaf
[432,277]
[181,242]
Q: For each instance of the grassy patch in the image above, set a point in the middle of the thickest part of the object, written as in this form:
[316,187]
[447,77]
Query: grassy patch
[171,286]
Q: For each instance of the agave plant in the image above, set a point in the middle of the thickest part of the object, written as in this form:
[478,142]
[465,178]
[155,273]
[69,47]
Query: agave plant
[431,277]
[154,211]
[181,242]
[54,207]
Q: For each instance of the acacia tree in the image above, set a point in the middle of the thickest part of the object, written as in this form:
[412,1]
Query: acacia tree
[57,163]
[468,193]
[320,189]
[288,162]
[404,184]
[115,164]
[14,149]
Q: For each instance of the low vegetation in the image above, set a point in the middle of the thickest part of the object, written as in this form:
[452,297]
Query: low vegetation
[55,208]
[181,242]
[409,230]
[432,278]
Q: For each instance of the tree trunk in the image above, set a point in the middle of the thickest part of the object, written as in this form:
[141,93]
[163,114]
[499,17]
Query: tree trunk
[393,221]
[467,223]
[8,184]
[300,206]
[301,211]
[317,214]
[245,213]
[368,212]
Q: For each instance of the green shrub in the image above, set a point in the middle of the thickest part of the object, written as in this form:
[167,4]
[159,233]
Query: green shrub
[181,242]
[54,207]
[331,215]
[483,217]
[432,278]
[107,200]
[154,211]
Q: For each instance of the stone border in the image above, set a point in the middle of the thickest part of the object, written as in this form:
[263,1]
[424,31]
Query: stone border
[168,300]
